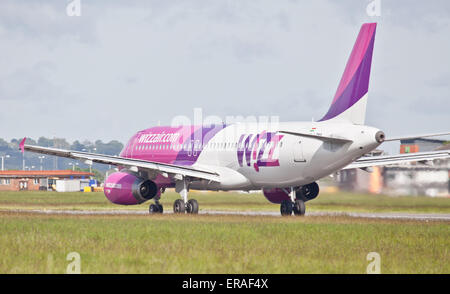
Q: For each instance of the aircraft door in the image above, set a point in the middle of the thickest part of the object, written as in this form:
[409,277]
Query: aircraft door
[298,152]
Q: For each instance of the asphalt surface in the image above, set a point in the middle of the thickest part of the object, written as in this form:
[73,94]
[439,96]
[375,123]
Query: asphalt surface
[378,215]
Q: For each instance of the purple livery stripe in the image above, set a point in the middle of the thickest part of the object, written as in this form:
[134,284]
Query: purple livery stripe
[354,83]
[175,145]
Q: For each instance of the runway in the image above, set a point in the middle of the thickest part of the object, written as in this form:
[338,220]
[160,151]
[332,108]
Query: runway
[378,215]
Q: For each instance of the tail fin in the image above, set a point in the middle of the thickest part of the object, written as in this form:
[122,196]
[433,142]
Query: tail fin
[22,144]
[349,103]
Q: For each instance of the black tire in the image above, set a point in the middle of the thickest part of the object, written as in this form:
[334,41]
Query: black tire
[192,206]
[299,207]
[286,207]
[160,208]
[179,206]
[153,208]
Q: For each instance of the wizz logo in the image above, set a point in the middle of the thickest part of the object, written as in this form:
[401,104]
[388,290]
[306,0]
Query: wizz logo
[253,147]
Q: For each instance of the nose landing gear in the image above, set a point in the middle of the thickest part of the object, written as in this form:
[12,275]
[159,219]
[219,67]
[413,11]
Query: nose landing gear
[180,205]
[155,208]
[296,204]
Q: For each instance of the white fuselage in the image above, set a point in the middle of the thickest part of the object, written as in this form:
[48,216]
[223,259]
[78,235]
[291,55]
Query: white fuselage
[299,160]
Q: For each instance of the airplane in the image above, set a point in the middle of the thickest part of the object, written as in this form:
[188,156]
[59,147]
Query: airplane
[284,160]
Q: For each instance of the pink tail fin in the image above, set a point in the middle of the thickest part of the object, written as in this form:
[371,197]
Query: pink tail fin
[355,81]
[22,144]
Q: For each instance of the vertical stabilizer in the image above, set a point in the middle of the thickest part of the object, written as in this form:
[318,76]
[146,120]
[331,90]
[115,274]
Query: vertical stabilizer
[349,103]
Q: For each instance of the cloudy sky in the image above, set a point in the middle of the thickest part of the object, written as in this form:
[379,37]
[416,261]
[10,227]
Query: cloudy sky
[119,68]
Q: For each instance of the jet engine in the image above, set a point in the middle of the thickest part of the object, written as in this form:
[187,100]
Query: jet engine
[305,193]
[276,195]
[308,192]
[127,189]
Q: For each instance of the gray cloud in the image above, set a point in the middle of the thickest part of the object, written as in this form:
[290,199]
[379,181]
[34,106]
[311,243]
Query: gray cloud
[45,21]
[124,66]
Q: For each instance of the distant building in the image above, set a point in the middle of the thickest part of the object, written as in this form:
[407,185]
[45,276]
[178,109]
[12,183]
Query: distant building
[430,180]
[360,180]
[19,180]
[419,145]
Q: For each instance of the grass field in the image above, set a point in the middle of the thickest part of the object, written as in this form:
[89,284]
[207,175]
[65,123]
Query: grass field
[32,243]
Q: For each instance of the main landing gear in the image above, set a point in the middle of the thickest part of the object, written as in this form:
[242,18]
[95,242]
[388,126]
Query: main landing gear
[190,207]
[180,205]
[298,197]
[294,205]
[184,205]
[288,207]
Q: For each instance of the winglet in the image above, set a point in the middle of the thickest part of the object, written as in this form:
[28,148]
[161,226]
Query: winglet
[22,144]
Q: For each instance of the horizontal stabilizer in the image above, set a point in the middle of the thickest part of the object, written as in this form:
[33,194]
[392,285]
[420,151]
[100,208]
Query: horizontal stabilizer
[399,158]
[416,136]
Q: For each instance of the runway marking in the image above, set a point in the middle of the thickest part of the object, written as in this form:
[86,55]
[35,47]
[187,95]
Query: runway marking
[378,215]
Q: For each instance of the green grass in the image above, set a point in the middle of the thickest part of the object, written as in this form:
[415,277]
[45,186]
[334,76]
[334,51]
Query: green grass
[35,243]
[219,244]
[341,201]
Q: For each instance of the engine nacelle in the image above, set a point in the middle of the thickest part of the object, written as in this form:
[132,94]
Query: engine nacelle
[127,189]
[276,195]
[305,193]
[308,192]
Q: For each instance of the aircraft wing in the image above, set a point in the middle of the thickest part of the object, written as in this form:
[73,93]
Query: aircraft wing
[133,164]
[363,162]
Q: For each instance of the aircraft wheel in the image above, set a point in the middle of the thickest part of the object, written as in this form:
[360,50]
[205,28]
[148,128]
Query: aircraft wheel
[299,207]
[192,206]
[160,208]
[286,207]
[179,206]
[153,208]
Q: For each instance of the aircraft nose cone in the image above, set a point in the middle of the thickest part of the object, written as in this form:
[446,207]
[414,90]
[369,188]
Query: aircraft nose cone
[379,136]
